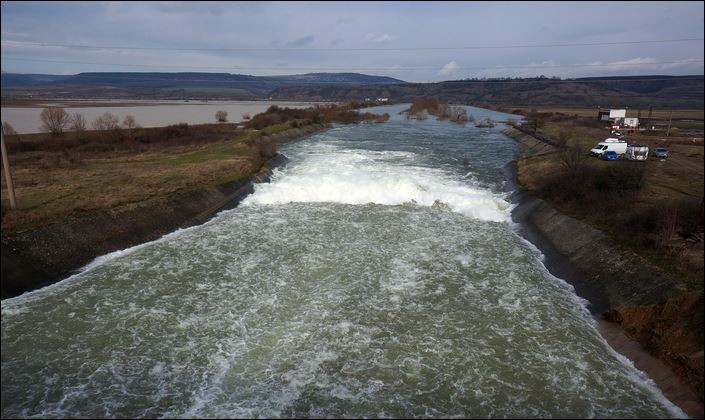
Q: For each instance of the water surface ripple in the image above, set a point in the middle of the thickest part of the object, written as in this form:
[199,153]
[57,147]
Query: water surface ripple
[378,275]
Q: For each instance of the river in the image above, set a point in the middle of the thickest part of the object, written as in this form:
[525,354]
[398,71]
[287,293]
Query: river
[378,275]
[147,113]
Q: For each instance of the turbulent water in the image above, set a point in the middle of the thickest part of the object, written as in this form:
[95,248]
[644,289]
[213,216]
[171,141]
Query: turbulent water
[378,275]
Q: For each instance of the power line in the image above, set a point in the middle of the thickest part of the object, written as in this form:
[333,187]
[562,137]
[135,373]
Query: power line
[475,47]
[394,68]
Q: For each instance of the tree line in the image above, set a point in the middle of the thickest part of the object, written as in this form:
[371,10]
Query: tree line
[57,121]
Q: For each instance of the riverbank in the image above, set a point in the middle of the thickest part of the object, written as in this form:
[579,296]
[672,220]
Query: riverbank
[618,284]
[36,257]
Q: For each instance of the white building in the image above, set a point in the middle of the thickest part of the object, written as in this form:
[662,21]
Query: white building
[617,113]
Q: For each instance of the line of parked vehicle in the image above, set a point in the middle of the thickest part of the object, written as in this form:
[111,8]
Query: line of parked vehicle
[616,148]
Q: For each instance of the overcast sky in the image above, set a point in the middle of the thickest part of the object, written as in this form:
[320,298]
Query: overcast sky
[294,38]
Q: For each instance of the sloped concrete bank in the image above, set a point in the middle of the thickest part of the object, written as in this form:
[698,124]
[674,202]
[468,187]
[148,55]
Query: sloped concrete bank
[43,256]
[640,311]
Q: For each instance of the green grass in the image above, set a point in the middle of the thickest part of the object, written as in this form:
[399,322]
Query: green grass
[214,152]
[274,129]
[688,125]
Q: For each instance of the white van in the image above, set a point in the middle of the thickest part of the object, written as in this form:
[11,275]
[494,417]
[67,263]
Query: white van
[616,145]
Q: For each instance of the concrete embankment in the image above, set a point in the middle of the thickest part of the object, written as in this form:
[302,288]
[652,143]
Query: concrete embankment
[43,256]
[622,288]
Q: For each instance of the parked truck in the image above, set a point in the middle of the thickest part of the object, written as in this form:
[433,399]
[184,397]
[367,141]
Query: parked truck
[611,144]
[637,152]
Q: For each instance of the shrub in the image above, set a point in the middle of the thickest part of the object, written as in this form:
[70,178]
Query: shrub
[265,147]
[655,225]
[221,116]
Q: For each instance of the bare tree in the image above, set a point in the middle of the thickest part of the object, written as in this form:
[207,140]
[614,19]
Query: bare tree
[458,114]
[54,120]
[563,137]
[129,122]
[573,159]
[221,116]
[78,124]
[535,121]
[106,121]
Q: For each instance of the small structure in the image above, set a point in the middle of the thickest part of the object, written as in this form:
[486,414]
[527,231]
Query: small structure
[631,122]
[382,100]
[617,113]
[603,114]
[613,115]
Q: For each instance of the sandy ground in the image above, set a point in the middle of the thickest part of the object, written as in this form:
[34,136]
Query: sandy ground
[671,386]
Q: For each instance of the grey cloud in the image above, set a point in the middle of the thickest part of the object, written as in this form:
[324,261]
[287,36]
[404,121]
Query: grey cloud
[300,42]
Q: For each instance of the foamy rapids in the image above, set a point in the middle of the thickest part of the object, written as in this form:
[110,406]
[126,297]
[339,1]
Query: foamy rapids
[360,177]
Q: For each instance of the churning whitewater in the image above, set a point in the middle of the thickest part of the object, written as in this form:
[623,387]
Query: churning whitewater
[378,275]
[349,176]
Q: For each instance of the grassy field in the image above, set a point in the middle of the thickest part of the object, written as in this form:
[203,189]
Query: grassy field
[187,90]
[652,207]
[55,184]
[63,176]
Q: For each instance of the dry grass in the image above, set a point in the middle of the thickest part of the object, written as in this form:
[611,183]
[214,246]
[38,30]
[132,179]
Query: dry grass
[51,186]
[58,177]
[638,218]
[661,114]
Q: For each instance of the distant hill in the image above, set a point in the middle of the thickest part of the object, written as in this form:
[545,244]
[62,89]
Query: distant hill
[642,91]
[632,91]
[172,85]
[14,79]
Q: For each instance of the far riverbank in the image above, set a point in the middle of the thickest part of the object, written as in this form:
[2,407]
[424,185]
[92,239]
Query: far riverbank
[23,115]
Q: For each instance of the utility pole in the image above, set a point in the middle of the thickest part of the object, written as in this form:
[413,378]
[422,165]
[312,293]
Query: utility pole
[651,109]
[6,167]
[670,118]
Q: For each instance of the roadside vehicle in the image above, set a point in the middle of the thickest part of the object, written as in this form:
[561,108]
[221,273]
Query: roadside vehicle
[661,152]
[610,144]
[638,152]
[610,155]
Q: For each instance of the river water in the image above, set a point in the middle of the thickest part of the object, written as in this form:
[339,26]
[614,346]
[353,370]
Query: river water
[378,275]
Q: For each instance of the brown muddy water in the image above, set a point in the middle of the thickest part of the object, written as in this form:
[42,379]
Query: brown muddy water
[147,113]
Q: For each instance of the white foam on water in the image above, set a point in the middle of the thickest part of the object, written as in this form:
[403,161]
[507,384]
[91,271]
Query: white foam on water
[636,375]
[361,177]
[15,304]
